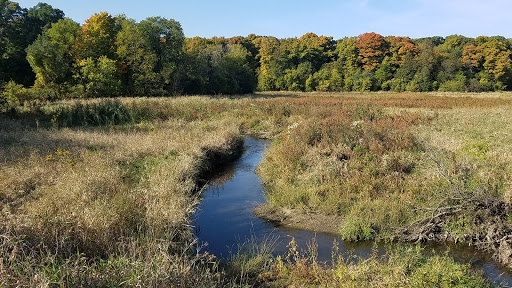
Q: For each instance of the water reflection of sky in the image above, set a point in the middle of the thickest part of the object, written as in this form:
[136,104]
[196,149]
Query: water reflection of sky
[225,219]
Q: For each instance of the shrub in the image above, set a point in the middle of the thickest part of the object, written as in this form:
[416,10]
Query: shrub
[368,112]
[456,85]
[355,228]
[12,95]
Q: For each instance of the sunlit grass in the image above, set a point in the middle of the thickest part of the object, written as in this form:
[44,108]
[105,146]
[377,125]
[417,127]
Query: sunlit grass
[76,190]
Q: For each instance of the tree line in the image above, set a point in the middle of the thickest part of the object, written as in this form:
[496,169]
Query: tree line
[111,56]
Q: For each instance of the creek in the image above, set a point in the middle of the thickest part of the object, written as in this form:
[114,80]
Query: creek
[225,219]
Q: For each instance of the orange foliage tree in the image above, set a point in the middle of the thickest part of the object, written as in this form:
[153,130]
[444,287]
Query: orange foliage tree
[399,48]
[472,56]
[372,49]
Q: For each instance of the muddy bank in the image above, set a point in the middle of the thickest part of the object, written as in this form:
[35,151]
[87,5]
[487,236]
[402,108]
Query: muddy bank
[493,234]
[491,228]
[217,158]
[298,219]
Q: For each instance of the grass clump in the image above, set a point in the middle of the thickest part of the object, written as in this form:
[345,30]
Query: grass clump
[251,258]
[351,156]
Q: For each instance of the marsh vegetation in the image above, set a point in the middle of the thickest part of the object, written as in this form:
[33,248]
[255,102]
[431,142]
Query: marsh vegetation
[100,192]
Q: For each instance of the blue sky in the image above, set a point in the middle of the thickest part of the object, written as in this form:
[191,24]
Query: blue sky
[293,18]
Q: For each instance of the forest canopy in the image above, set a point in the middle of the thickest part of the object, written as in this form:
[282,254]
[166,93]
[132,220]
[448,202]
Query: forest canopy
[47,56]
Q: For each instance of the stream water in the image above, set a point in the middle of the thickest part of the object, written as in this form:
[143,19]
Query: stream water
[225,219]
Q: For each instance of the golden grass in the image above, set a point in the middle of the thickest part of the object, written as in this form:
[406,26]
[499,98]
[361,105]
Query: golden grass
[67,189]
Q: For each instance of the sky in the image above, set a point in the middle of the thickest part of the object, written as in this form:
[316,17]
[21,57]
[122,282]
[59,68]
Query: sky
[294,18]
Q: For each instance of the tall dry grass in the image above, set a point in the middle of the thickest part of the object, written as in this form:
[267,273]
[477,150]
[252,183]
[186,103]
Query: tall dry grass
[105,196]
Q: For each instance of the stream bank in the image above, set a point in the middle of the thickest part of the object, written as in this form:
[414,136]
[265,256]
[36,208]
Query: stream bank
[227,216]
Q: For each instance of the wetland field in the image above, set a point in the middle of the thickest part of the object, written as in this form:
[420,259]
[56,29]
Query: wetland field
[108,192]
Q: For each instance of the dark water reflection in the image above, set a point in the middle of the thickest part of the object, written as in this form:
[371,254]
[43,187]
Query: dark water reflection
[225,218]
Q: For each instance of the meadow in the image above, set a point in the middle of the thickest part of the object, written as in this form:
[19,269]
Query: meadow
[101,192]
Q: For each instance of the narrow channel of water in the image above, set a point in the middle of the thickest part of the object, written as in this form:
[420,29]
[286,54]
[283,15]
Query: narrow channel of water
[225,219]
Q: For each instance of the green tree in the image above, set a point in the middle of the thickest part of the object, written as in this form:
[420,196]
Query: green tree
[39,18]
[228,69]
[19,28]
[271,72]
[349,61]
[295,79]
[137,61]
[384,74]
[50,56]
[49,64]
[236,70]
[428,65]
[12,17]
[454,44]
[311,48]
[99,77]
[328,78]
[451,55]
[458,84]
[11,95]
[194,74]
[363,81]
[166,40]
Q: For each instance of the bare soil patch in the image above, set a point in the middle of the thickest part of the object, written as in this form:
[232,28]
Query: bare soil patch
[298,219]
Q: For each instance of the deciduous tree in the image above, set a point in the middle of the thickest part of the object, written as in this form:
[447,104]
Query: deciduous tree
[50,55]
[166,40]
[97,37]
[372,48]
[137,61]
